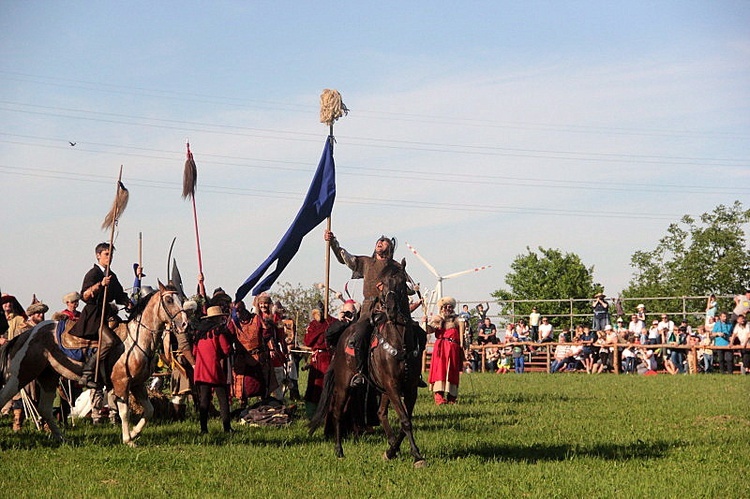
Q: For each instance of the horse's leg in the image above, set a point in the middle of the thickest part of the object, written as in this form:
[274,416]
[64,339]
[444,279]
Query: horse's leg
[141,395]
[48,385]
[406,430]
[383,417]
[339,402]
[124,411]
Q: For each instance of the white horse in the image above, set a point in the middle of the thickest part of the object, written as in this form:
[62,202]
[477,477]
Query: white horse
[36,355]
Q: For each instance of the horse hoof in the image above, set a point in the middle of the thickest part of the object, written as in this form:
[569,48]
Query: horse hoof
[385,456]
[420,464]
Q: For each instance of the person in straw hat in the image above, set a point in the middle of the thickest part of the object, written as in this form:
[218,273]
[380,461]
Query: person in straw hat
[211,352]
[447,355]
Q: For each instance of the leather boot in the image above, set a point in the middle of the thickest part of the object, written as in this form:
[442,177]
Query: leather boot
[87,379]
[358,379]
[17,419]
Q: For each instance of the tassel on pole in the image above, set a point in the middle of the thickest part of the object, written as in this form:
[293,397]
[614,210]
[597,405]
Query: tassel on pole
[190,176]
[118,206]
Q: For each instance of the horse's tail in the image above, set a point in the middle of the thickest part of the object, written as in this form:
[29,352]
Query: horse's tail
[5,356]
[321,413]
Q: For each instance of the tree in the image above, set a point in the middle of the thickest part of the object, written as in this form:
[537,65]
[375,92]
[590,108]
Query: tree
[546,276]
[298,301]
[696,257]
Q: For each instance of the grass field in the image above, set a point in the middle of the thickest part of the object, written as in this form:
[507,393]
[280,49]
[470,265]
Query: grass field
[533,435]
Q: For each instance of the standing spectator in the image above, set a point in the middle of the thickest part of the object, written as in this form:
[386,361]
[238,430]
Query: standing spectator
[721,334]
[711,309]
[545,331]
[482,311]
[601,312]
[534,318]
[640,312]
[487,332]
[588,339]
[464,313]
[705,353]
[741,306]
[518,351]
[741,337]
[447,355]
[211,351]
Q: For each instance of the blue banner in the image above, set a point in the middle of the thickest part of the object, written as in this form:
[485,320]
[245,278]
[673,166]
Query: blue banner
[317,207]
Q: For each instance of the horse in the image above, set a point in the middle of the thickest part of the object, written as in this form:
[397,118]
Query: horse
[37,355]
[393,367]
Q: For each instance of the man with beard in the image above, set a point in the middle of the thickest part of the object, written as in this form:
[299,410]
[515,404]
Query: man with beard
[368,268]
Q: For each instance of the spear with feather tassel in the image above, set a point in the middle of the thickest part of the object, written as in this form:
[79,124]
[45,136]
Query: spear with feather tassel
[331,109]
[189,181]
[110,222]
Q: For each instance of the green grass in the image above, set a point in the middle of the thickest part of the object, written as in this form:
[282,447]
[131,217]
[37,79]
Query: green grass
[535,435]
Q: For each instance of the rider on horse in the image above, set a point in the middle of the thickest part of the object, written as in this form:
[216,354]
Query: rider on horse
[367,268]
[92,291]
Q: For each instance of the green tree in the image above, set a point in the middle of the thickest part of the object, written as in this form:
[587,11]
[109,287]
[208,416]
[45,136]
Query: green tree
[695,258]
[547,275]
[298,301]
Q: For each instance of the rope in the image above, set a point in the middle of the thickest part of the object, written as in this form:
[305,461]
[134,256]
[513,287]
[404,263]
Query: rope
[331,106]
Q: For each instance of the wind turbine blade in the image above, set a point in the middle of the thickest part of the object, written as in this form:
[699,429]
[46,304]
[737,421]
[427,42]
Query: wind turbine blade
[421,259]
[476,269]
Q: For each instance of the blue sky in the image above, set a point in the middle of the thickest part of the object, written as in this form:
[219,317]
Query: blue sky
[477,129]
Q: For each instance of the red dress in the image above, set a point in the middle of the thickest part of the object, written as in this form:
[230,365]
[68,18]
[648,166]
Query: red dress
[211,353]
[315,338]
[447,360]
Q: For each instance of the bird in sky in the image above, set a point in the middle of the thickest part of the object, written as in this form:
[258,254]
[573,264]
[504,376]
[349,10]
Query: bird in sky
[72,144]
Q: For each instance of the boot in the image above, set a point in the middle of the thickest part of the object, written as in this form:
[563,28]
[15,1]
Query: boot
[17,419]
[358,379]
[87,379]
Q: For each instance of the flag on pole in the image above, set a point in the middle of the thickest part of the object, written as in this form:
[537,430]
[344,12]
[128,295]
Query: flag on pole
[317,205]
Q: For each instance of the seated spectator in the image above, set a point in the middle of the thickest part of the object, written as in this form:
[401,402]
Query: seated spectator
[522,330]
[636,326]
[562,353]
[491,357]
[505,362]
[545,331]
[646,361]
[487,332]
[629,359]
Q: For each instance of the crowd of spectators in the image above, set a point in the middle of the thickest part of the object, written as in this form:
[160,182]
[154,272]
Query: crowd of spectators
[644,344]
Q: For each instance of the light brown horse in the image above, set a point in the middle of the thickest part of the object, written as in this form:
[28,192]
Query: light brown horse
[394,366]
[36,355]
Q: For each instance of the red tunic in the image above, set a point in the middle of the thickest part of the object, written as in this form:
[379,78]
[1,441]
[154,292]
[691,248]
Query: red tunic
[210,358]
[447,361]
[315,338]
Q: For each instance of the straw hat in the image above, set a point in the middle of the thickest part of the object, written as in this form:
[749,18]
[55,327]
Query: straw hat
[214,311]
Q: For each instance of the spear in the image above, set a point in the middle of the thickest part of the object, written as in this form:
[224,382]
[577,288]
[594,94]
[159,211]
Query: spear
[331,109]
[189,181]
[110,222]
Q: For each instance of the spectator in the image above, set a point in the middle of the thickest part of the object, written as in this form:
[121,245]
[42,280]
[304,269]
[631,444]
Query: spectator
[721,333]
[705,354]
[534,318]
[636,326]
[602,351]
[487,332]
[741,306]
[640,312]
[666,323]
[545,331]
[601,312]
[464,313]
[654,335]
[518,351]
[646,361]
[522,330]
[741,337]
[587,352]
[71,301]
[562,354]
[629,359]
[711,309]
[482,311]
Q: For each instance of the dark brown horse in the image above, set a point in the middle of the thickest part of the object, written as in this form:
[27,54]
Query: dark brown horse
[393,367]
[36,355]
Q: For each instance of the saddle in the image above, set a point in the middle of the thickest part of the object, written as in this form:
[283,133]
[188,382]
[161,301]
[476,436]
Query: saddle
[70,342]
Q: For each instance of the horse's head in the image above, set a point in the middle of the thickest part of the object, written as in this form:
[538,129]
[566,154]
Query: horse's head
[170,311]
[393,291]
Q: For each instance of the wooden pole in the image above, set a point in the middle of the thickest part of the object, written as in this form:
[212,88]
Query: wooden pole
[106,274]
[328,244]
